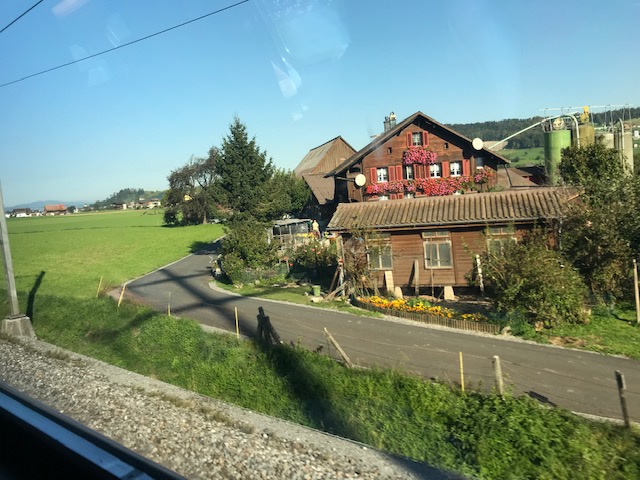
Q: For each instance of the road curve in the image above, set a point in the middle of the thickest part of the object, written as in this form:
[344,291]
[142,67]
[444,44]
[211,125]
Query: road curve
[577,380]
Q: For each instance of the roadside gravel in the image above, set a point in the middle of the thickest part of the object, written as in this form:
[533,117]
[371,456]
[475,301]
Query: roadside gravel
[196,436]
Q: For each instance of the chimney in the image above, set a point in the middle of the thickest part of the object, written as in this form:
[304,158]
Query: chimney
[389,122]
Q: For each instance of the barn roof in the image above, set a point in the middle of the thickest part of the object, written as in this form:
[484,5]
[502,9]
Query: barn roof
[512,206]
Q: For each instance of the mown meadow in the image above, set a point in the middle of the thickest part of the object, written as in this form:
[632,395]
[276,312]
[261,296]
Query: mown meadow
[59,262]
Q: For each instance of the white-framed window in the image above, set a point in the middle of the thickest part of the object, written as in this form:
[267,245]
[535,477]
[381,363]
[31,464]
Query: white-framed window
[455,169]
[435,170]
[479,163]
[383,197]
[408,172]
[416,139]
[379,252]
[499,237]
[437,249]
[382,174]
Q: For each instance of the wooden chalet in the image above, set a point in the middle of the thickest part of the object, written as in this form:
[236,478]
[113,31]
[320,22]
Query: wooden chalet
[313,168]
[432,241]
[416,157]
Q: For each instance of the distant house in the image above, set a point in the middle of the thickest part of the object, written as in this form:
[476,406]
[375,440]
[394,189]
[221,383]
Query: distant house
[312,169]
[59,209]
[119,206]
[153,203]
[21,212]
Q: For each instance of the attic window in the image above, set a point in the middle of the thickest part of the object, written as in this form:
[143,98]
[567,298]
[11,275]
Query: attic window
[389,151]
[416,139]
[446,145]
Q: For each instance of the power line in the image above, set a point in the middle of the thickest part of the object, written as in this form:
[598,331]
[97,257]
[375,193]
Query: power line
[22,15]
[123,45]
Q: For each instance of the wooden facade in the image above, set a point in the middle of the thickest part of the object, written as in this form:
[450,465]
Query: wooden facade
[455,156]
[442,235]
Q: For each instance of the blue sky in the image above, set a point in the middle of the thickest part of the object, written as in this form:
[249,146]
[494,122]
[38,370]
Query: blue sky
[297,73]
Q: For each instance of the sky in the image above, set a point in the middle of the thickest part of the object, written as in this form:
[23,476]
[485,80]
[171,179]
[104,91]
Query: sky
[297,73]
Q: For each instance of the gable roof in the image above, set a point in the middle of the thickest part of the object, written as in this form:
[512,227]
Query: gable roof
[516,206]
[323,188]
[325,157]
[380,139]
[54,208]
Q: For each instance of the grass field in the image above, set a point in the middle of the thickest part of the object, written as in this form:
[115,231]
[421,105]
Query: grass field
[524,157]
[483,436]
[69,254]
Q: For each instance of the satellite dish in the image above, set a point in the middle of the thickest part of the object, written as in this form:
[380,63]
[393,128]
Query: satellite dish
[360,180]
[477,143]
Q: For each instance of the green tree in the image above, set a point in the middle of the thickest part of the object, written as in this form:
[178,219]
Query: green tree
[242,170]
[285,193]
[601,231]
[193,191]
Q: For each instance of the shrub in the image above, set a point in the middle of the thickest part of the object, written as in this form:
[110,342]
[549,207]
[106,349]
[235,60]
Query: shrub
[531,277]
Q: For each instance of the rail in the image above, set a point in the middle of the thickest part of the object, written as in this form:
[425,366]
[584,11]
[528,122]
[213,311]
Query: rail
[39,442]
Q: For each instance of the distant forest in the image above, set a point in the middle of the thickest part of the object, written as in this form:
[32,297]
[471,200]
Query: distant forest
[497,130]
[127,195]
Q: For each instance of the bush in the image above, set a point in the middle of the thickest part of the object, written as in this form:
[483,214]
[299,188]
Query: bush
[248,241]
[531,277]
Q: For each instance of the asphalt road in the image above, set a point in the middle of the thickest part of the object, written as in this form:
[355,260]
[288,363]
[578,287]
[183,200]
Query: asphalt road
[579,381]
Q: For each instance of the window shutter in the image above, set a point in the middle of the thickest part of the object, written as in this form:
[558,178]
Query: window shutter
[398,172]
[409,139]
[393,196]
[400,196]
[425,139]
[392,173]
[418,170]
[465,167]
[374,175]
[445,169]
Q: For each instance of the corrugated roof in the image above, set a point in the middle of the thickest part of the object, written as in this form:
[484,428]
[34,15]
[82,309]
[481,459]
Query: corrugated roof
[525,205]
[323,188]
[321,159]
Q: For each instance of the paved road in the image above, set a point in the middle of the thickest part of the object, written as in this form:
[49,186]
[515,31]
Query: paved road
[576,380]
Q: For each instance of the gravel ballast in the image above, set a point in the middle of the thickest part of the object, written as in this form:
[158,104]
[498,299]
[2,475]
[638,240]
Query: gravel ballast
[196,436]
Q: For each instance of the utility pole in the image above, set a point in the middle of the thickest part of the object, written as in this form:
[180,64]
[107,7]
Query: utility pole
[15,324]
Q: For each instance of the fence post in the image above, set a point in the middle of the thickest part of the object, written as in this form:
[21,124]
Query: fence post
[635,290]
[623,401]
[342,353]
[461,373]
[497,371]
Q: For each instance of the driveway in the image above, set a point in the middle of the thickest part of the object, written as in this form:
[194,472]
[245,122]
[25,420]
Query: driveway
[577,380]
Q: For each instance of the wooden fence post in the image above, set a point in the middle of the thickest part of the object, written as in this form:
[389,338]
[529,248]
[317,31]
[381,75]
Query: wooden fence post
[342,353]
[635,290]
[497,371]
[461,373]
[623,401]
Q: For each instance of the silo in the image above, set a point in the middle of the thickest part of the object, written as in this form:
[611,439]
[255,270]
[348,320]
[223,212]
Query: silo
[554,142]
[623,142]
[606,138]
[587,135]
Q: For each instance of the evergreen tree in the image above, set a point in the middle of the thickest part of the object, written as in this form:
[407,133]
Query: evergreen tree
[242,170]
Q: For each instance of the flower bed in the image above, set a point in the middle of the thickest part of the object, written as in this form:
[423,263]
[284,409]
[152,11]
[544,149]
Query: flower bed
[421,311]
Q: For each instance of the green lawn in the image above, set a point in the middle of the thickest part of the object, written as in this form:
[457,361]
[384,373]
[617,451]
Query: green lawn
[71,253]
[524,156]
